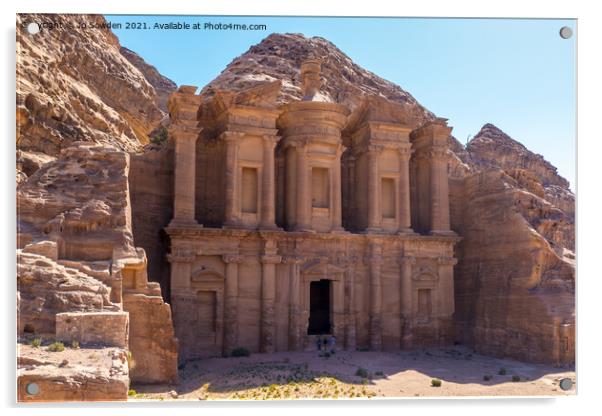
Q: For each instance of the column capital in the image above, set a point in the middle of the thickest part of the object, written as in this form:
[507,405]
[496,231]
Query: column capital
[405,152]
[271,259]
[180,255]
[184,132]
[232,136]
[292,259]
[232,258]
[271,139]
[407,260]
[447,261]
[438,153]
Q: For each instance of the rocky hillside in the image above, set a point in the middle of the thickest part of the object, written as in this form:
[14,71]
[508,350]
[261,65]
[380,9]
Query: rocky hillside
[73,84]
[279,56]
[163,86]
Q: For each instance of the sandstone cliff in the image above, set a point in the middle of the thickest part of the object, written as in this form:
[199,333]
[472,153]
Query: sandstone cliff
[81,106]
[163,86]
[73,84]
[77,255]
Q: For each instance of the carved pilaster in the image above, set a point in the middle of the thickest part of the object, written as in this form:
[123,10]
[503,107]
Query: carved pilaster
[405,304]
[374,212]
[268,297]
[375,262]
[232,199]
[231,302]
[445,267]
[268,199]
[404,216]
[294,319]
[439,190]
[303,206]
[337,213]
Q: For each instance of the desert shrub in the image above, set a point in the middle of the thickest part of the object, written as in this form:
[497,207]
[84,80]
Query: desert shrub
[240,352]
[160,136]
[132,392]
[361,372]
[502,371]
[487,377]
[379,373]
[131,361]
[36,342]
[515,378]
[56,346]
[436,382]
[75,344]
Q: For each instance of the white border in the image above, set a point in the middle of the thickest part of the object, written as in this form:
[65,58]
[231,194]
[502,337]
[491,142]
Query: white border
[588,191]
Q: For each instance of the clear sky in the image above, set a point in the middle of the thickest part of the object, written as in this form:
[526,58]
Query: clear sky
[518,74]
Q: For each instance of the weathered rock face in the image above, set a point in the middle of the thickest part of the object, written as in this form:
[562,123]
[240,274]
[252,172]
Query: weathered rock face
[514,284]
[279,57]
[99,374]
[75,211]
[491,147]
[163,86]
[46,288]
[73,84]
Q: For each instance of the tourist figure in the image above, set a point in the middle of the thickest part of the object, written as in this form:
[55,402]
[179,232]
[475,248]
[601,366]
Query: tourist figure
[331,343]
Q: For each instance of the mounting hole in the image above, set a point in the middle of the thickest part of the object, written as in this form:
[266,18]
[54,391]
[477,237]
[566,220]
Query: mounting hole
[566,384]
[566,32]
[32,389]
[33,28]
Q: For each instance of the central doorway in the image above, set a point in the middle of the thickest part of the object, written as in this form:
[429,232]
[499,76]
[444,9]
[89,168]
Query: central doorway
[319,308]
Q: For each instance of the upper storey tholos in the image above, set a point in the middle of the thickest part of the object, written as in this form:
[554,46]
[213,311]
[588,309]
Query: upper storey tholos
[246,160]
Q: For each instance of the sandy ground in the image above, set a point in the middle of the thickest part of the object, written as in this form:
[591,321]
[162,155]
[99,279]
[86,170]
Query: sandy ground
[99,357]
[389,374]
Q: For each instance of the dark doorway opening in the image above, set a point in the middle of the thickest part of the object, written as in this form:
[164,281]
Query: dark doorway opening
[319,308]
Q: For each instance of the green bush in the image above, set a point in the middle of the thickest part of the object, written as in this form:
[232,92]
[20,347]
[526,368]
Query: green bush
[160,137]
[240,352]
[36,342]
[515,378]
[75,344]
[502,371]
[132,392]
[436,382]
[361,372]
[56,346]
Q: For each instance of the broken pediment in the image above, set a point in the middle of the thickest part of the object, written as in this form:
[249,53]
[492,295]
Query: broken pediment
[377,109]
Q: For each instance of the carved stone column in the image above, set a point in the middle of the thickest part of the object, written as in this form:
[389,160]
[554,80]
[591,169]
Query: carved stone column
[337,213]
[183,105]
[182,298]
[439,191]
[405,225]
[231,303]
[374,213]
[268,297]
[376,295]
[232,200]
[446,285]
[303,197]
[350,329]
[184,175]
[291,188]
[405,303]
[268,197]
[294,318]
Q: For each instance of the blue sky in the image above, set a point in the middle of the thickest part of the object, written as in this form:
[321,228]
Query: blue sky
[518,74]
